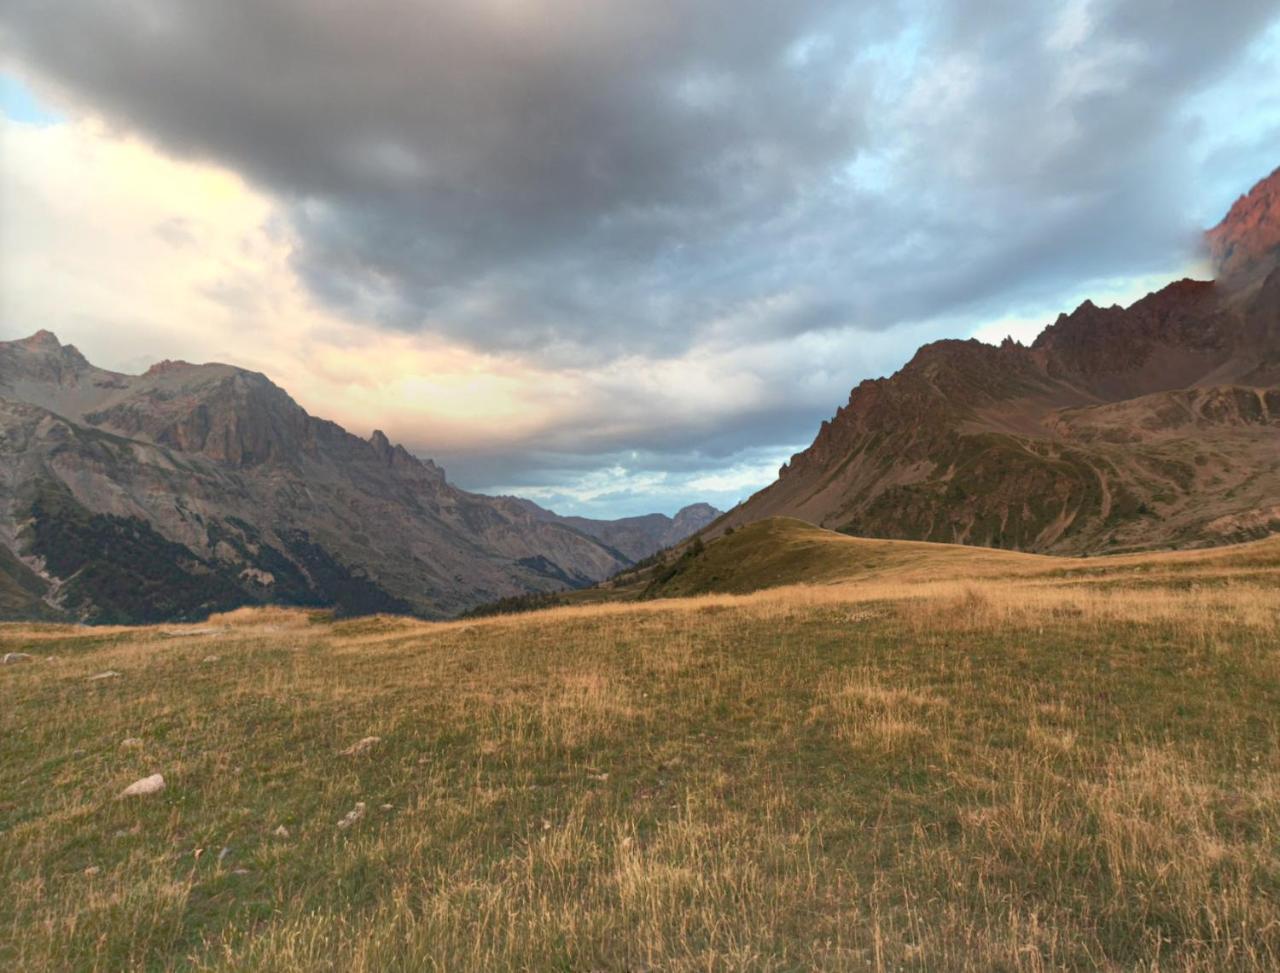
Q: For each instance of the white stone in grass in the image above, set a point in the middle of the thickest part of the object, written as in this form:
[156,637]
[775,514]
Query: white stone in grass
[361,746]
[108,674]
[148,785]
[352,816]
[13,658]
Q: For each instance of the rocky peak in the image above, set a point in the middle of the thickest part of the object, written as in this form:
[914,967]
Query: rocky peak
[381,445]
[167,367]
[1111,345]
[41,361]
[697,510]
[395,455]
[42,340]
[694,517]
[1245,246]
[45,345]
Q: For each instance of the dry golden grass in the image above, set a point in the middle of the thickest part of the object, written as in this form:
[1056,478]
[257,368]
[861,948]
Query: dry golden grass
[1035,772]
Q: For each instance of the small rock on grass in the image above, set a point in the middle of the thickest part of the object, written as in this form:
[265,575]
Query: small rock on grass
[108,674]
[361,746]
[147,785]
[13,658]
[352,816]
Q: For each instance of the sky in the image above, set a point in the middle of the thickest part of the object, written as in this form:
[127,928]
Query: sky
[613,256]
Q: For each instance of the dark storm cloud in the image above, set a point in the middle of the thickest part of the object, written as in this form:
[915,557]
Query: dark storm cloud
[580,180]
[495,169]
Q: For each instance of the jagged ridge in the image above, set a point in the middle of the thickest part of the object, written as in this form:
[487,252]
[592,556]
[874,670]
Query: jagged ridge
[1118,428]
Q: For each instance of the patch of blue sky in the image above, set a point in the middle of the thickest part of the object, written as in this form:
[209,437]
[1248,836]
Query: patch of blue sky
[18,103]
[1235,126]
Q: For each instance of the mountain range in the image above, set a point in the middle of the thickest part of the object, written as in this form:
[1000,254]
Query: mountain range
[1156,425]
[199,488]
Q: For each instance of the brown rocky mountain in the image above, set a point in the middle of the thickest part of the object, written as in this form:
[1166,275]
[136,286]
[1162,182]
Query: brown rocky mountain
[195,488]
[1117,429]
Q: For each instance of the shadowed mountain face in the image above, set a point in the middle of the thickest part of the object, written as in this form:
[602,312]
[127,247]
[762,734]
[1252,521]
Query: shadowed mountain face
[1118,428]
[196,488]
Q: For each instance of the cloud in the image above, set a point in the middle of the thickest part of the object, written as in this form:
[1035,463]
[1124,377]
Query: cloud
[586,180]
[187,261]
[546,235]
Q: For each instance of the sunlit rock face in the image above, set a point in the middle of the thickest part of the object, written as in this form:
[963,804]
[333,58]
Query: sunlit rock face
[1245,246]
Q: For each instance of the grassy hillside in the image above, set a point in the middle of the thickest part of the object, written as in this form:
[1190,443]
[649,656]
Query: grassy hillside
[1000,765]
[783,551]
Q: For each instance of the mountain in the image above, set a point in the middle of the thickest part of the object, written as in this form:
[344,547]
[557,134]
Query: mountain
[198,488]
[1245,246]
[1117,429]
[638,537]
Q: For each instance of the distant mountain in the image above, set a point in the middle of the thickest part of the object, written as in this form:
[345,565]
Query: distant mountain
[638,537]
[1117,429]
[197,488]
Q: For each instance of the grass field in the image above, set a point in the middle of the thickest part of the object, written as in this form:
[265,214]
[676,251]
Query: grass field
[921,758]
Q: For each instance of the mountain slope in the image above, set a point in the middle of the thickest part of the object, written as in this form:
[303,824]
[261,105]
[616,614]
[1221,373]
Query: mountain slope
[780,551]
[195,488]
[1118,428]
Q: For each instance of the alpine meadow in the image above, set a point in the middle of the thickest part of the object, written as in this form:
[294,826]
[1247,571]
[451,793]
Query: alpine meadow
[1052,763]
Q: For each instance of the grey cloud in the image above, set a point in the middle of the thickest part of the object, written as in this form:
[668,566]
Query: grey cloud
[433,154]
[592,178]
